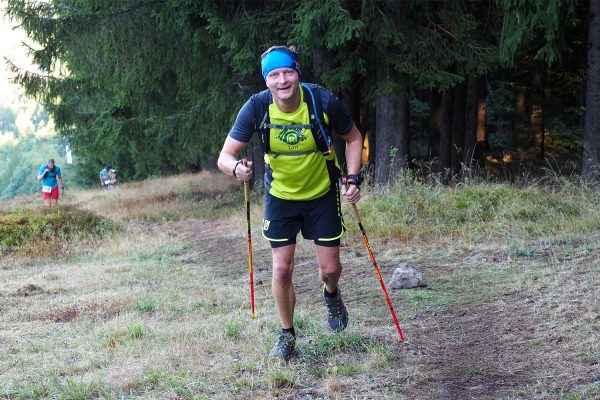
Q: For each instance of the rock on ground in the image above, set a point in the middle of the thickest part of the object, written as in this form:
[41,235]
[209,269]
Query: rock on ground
[406,276]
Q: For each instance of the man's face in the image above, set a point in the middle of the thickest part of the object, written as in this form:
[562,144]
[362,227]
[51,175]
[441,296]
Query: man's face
[50,165]
[283,83]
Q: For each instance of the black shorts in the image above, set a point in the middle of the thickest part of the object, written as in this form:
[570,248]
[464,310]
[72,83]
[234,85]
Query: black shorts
[319,220]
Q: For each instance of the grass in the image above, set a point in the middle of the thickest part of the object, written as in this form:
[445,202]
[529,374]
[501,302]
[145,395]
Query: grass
[174,198]
[497,213]
[44,231]
[161,308]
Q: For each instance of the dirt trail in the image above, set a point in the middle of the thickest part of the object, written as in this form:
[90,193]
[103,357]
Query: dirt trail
[490,348]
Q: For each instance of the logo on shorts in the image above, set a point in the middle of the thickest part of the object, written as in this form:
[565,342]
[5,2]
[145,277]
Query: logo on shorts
[292,137]
[266,224]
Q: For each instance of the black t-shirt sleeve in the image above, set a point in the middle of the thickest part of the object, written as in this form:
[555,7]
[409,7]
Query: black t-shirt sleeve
[339,118]
[244,123]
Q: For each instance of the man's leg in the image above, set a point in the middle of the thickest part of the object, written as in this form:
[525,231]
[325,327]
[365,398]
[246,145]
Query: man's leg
[282,285]
[330,270]
[330,267]
[285,297]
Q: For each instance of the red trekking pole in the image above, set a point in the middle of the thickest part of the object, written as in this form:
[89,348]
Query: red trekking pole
[368,246]
[250,263]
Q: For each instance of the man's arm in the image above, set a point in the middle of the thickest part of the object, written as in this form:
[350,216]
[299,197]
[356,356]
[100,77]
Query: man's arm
[228,160]
[354,146]
[62,184]
[42,175]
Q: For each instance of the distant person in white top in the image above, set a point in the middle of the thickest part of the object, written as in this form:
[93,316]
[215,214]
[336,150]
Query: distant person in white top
[104,176]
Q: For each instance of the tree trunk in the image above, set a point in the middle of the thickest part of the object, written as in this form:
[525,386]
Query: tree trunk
[404,134]
[537,110]
[520,139]
[351,100]
[590,169]
[388,136]
[471,122]
[482,119]
[458,127]
[545,94]
[445,132]
[435,118]
[370,121]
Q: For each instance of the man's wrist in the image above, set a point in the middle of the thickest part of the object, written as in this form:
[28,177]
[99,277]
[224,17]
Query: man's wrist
[355,179]
[235,167]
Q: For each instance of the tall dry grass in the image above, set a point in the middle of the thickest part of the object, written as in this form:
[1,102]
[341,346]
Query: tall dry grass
[202,195]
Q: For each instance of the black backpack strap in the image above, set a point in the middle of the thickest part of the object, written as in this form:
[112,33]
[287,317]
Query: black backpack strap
[261,103]
[320,130]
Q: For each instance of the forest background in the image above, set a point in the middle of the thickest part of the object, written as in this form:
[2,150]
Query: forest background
[452,89]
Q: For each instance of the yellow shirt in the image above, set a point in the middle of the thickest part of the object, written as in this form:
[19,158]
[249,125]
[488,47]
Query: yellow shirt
[296,176]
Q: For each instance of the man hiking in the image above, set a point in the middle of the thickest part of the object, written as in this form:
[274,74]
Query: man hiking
[104,176]
[302,174]
[48,176]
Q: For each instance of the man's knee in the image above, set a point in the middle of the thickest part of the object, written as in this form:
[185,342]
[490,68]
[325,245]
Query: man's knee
[282,270]
[283,263]
[330,268]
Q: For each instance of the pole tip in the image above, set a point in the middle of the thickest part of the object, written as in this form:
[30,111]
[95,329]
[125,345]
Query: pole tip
[253,315]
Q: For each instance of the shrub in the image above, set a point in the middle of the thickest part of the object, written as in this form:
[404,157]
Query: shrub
[48,230]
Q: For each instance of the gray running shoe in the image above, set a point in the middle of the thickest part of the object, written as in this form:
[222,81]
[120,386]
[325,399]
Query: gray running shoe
[337,315]
[284,347]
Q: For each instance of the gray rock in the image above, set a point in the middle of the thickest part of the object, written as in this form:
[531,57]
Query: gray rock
[406,276]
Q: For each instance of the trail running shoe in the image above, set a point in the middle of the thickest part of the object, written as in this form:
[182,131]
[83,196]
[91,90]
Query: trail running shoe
[337,315]
[284,347]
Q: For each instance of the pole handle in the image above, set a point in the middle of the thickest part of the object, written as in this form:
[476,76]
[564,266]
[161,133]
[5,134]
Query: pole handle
[354,207]
[246,183]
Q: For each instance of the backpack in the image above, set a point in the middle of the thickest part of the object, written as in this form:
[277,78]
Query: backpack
[320,131]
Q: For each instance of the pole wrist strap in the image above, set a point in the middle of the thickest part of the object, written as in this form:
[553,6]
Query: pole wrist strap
[235,167]
[354,180]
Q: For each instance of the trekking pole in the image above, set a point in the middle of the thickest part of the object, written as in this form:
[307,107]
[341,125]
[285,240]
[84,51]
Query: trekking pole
[247,198]
[368,246]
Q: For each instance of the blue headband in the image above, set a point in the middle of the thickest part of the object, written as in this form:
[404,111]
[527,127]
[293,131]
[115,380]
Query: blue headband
[279,58]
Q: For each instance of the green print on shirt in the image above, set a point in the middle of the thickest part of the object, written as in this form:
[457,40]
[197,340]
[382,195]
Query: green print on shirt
[292,136]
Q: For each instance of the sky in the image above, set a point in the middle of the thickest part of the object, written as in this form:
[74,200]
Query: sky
[11,48]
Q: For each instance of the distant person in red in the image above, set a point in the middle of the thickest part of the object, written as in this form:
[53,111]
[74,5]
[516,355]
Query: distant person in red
[49,176]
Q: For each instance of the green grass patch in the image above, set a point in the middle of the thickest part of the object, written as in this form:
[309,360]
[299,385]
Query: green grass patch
[146,305]
[416,211]
[346,369]
[45,231]
[281,377]
[136,331]
[322,345]
[233,329]
[51,387]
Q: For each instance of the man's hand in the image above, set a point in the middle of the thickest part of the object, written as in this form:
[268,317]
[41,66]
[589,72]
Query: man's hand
[243,172]
[350,192]
[62,191]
